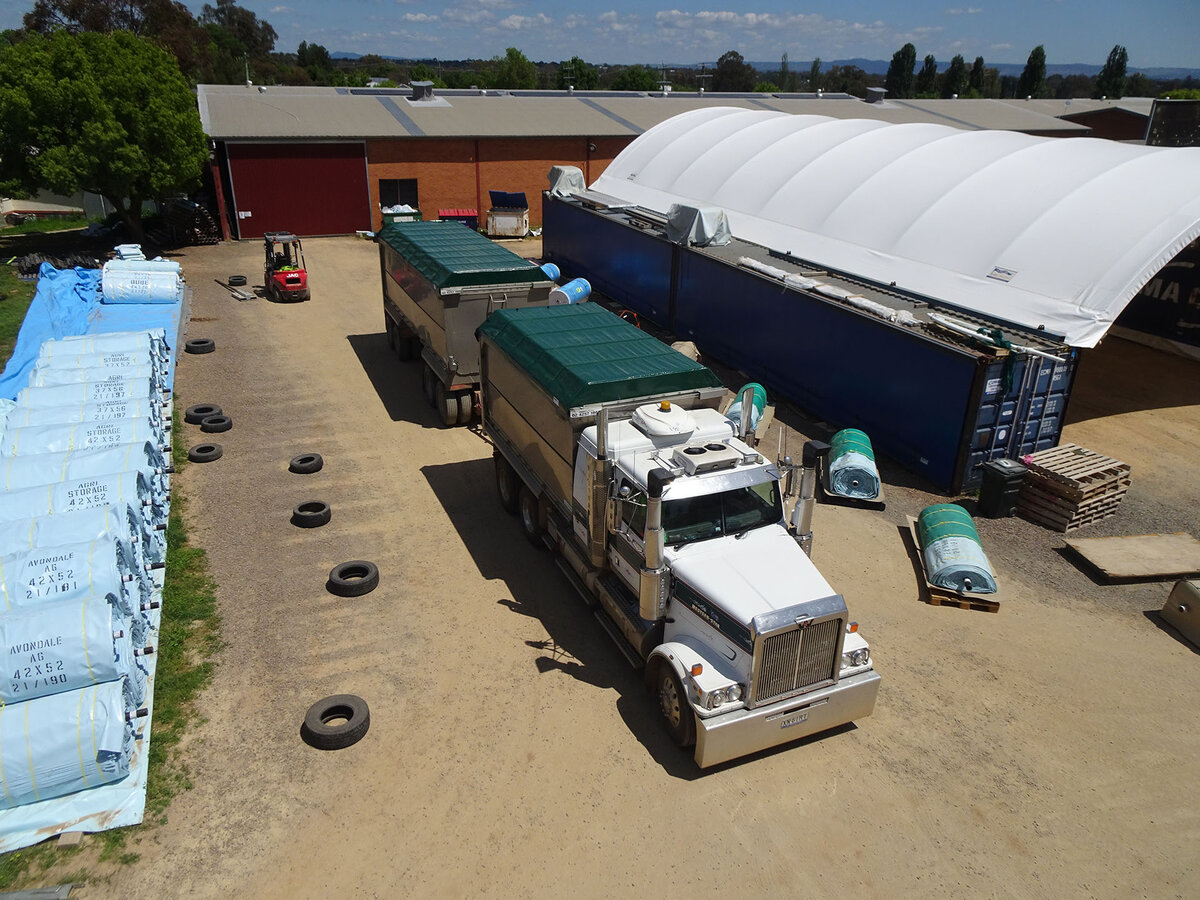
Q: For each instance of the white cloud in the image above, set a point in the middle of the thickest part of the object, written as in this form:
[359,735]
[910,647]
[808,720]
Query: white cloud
[468,15]
[418,17]
[969,11]
[524,23]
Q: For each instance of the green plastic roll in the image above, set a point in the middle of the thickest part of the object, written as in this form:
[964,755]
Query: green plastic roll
[954,557]
[851,466]
[758,402]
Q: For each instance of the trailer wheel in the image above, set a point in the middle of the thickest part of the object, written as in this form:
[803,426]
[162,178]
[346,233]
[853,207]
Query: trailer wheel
[508,486]
[445,404]
[531,517]
[672,703]
[466,407]
[427,380]
[336,722]
[353,579]
[389,328]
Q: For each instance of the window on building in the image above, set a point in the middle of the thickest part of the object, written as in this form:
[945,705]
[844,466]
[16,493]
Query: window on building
[398,191]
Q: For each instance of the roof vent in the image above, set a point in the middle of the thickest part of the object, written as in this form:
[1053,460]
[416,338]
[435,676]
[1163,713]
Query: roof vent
[876,94]
[422,90]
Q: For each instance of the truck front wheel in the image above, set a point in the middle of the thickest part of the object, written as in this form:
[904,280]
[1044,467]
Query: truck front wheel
[507,484]
[672,703]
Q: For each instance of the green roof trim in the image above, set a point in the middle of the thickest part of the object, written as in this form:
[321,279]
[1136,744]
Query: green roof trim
[583,354]
[449,254]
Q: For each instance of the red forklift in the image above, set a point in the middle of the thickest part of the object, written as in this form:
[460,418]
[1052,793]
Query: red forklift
[285,277]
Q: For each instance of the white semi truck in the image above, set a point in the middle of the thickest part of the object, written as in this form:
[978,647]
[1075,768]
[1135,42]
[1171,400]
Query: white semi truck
[610,448]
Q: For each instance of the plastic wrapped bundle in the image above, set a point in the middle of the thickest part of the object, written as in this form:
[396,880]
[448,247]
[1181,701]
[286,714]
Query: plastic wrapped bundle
[119,522]
[852,471]
[64,743]
[144,408]
[954,557]
[154,340]
[52,377]
[66,645]
[6,409]
[47,468]
[89,392]
[758,405]
[49,370]
[30,578]
[129,487]
[151,282]
[34,439]
[157,264]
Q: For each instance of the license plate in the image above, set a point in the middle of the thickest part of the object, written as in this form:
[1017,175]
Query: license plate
[793,719]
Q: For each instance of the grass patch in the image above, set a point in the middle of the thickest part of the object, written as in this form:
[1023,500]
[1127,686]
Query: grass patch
[50,223]
[188,638]
[15,296]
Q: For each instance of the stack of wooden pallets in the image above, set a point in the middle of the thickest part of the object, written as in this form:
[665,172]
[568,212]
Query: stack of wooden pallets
[1069,486]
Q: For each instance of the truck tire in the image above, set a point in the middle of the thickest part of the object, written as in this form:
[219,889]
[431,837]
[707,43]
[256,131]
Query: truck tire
[306,463]
[336,722]
[677,713]
[200,345]
[353,579]
[508,485]
[202,453]
[531,517]
[466,406]
[389,328]
[312,514]
[445,405]
[194,415]
[427,382]
[215,424]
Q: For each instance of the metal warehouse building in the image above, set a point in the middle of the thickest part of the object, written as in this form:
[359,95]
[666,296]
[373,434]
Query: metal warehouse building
[317,160]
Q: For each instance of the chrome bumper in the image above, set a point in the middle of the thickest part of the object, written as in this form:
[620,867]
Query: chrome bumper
[722,738]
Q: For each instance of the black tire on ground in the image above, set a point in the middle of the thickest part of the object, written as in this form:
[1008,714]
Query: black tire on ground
[353,579]
[236,280]
[677,714]
[466,406]
[200,345]
[445,405]
[336,722]
[306,463]
[311,514]
[202,453]
[215,424]
[194,415]
[530,514]
[508,485]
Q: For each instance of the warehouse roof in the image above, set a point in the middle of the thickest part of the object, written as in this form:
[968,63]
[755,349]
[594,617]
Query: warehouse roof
[1048,234]
[236,112]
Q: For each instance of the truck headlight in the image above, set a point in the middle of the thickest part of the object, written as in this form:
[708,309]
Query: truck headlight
[721,696]
[855,658]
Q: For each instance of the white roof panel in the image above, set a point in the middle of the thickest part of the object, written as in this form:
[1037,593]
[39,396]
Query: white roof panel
[1044,233]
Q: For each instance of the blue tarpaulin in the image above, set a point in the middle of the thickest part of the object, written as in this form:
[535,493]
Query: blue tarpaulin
[61,307]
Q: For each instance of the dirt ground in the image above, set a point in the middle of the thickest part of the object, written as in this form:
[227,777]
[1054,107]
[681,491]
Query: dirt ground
[1046,751]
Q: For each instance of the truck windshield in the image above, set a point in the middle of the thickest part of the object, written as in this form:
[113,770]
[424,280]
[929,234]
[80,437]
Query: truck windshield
[729,512]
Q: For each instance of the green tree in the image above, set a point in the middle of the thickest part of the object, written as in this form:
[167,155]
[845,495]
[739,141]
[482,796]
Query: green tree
[579,74]
[954,81]
[975,81]
[927,78]
[787,78]
[105,113]
[733,73]
[766,87]
[1111,81]
[255,36]
[635,78]
[814,75]
[514,71]
[899,80]
[1139,85]
[1033,79]
[313,56]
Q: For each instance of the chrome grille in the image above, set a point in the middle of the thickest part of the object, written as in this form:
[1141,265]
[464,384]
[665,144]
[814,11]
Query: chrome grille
[797,659]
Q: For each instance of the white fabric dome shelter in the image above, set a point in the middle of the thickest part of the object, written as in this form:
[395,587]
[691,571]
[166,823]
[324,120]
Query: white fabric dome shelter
[1041,232]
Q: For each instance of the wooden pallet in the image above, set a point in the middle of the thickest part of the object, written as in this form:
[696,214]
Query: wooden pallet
[1070,486]
[938,596]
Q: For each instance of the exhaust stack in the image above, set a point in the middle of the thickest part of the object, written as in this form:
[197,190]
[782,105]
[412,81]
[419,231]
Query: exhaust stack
[652,593]
[802,513]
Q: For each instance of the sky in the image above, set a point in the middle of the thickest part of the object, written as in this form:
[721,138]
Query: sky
[1155,32]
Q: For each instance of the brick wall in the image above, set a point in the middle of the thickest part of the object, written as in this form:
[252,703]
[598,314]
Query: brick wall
[457,173]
